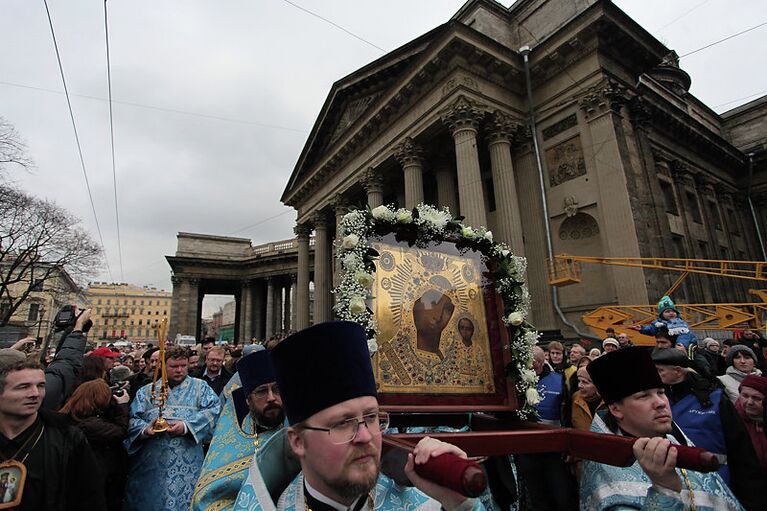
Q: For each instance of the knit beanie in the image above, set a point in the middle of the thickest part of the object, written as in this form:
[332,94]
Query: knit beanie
[739,348]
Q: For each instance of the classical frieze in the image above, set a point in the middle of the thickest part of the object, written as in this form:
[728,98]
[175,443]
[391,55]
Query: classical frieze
[560,126]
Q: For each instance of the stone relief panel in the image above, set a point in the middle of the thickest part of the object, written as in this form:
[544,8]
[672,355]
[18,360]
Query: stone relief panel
[353,110]
[565,161]
[581,226]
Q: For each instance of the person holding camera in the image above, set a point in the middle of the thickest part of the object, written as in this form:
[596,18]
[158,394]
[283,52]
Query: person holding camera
[102,413]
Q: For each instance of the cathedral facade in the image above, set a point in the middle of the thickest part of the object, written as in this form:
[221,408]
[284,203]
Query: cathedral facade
[562,126]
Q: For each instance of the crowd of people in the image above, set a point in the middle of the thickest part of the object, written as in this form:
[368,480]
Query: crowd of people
[119,443]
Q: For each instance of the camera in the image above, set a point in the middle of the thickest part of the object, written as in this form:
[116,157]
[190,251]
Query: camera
[66,318]
[118,390]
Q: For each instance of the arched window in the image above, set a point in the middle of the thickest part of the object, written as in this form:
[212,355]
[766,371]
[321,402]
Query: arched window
[578,227]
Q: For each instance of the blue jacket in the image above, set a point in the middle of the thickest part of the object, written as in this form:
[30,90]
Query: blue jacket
[551,387]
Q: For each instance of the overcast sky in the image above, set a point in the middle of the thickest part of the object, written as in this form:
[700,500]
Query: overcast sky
[213,101]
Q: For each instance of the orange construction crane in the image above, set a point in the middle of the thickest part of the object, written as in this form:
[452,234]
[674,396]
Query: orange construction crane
[565,270]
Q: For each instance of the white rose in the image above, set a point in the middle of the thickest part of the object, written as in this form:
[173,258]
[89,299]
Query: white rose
[438,219]
[515,318]
[404,216]
[364,279]
[489,235]
[382,213]
[468,232]
[532,396]
[372,345]
[351,262]
[357,305]
[350,241]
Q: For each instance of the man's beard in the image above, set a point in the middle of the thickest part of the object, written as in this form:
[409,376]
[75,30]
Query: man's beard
[350,490]
[269,421]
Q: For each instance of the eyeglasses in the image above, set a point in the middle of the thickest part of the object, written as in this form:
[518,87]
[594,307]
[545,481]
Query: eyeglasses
[263,391]
[346,431]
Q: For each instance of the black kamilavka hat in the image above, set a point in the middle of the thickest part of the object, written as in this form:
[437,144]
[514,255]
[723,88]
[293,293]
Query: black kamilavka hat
[321,366]
[620,373]
[255,370]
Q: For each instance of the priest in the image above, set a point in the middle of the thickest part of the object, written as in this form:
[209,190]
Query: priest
[329,393]
[252,414]
[165,465]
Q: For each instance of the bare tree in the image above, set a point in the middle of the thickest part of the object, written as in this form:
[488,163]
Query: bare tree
[39,239]
[13,150]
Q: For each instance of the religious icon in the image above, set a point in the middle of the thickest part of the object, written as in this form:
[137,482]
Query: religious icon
[12,476]
[433,335]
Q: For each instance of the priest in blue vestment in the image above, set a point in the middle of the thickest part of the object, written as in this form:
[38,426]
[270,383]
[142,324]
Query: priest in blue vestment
[165,466]
[329,394]
[251,415]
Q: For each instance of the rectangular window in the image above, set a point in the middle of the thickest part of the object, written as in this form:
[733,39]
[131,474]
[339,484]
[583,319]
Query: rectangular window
[703,250]
[669,200]
[716,218]
[693,208]
[99,302]
[678,243]
[109,301]
[134,302]
[733,222]
[34,312]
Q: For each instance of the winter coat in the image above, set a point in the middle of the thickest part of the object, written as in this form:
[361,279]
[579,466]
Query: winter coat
[700,409]
[581,414]
[61,373]
[105,433]
[61,469]
[732,379]
[758,436]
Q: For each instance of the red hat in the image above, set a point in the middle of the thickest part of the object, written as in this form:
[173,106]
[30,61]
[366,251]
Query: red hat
[755,382]
[104,352]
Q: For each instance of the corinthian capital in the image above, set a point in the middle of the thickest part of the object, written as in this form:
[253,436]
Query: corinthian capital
[606,96]
[501,126]
[372,180]
[408,152]
[302,231]
[462,114]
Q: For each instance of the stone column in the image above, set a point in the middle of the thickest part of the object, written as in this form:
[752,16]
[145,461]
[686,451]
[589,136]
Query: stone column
[322,269]
[278,305]
[372,180]
[531,206]
[445,175]
[602,109]
[509,223]
[293,298]
[302,277]
[258,309]
[269,307]
[246,314]
[287,305]
[463,118]
[410,156]
[341,207]
[175,308]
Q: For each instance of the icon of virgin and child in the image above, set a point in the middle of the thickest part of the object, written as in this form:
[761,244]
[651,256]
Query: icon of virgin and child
[433,334]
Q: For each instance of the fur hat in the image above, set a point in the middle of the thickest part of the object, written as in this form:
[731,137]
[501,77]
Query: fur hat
[670,357]
[611,340]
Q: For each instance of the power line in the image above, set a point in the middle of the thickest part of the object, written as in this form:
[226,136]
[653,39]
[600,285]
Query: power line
[162,109]
[724,39]
[335,25]
[704,2]
[741,99]
[261,222]
[112,142]
[77,137]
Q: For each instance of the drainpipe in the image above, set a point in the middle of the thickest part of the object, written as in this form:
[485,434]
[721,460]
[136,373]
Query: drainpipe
[751,205]
[525,52]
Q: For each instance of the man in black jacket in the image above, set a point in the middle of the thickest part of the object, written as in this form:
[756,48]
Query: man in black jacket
[61,374]
[214,372]
[59,462]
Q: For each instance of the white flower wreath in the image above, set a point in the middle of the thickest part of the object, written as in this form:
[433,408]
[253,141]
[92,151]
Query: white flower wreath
[357,258]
